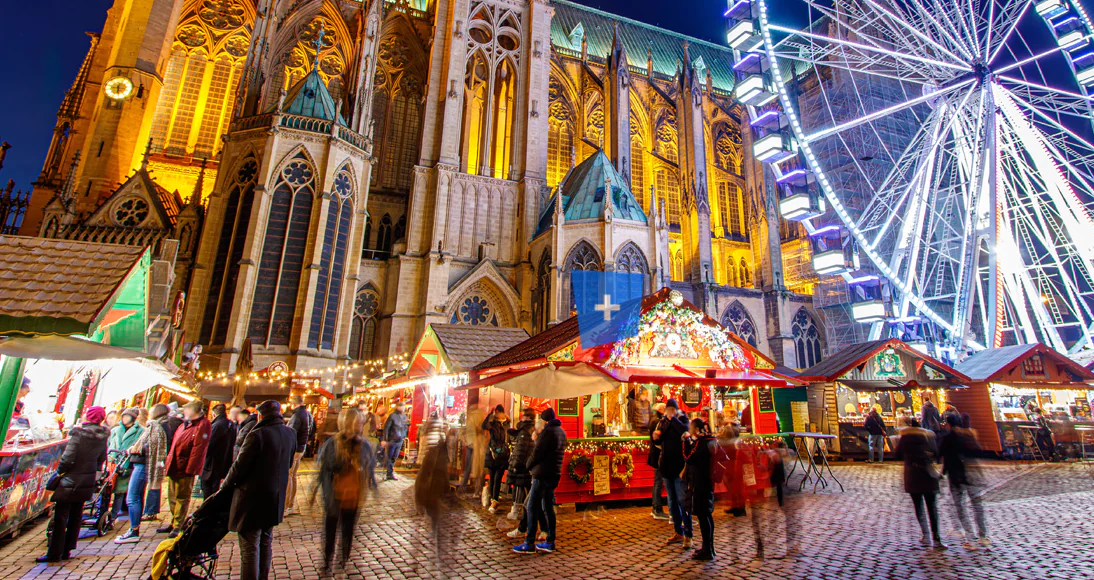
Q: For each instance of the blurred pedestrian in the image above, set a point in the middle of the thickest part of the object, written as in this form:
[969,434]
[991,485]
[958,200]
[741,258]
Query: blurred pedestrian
[875,433]
[497,454]
[432,492]
[931,419]
[147,456]
[522,438]
[473,440]
[156,445]
[699,453]
[733,473]
[431,433]
[396,427]
[233,415]
[171,422]
[545,465]
[303,424]
[669,431]
[74,483]
[918,448]
[345,463]
[959,448]
[122,437]
[221,448]
[142,417]
[259,480]
[111,419]
[653,460]
[639,411]
[185,461]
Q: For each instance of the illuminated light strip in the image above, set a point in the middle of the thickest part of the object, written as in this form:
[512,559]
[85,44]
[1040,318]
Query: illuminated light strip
[826,187]
[762,117]
[791,175]
[748,56]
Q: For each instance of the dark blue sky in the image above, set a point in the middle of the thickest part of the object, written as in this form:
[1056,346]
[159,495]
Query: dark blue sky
[45,43]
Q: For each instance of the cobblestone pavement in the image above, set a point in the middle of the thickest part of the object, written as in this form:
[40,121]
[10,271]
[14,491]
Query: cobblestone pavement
[1039,515]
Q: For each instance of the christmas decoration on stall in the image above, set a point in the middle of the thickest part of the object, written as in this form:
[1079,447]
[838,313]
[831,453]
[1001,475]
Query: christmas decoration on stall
[673,331]
[609,446]
[626,462]
[576,461]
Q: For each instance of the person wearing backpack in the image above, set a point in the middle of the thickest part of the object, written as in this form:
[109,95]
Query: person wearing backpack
[346,462]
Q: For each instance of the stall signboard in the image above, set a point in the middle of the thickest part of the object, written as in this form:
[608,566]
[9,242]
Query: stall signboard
[692,396]
[1034,367]
[765,399]
[1082,405]
[799,413]
[888,364]
[568,407]
[601,475]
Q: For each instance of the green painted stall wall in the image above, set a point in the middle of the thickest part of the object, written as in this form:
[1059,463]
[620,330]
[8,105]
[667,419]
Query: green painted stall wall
[783,398]
[130,331]
[11,377]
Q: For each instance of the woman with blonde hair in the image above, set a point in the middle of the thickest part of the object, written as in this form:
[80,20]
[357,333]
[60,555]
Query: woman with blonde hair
[346,463]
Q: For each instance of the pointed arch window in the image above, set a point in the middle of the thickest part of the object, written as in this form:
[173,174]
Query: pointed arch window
[560,134]
[541,295]
[668,191]
[745,273]
[397,111]
[584,257]
[638,173]
[362,337]
[230,242]
[807,341]
[366,237]
[332,263]
[731,272]
[383,239]
[475,310]
[490,83]
[737,321]
[278,281]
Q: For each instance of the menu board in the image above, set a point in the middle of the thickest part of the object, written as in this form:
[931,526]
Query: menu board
[601,475]
[1083,407]
[692,395]
[799,413]
[568,407]
[765,399]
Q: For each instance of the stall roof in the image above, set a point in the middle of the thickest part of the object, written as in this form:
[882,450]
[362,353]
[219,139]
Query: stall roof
[61,287]
[841,362]
[468,345]
[991,364]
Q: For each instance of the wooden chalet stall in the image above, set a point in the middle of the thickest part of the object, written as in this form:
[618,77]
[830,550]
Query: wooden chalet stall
[678,352]
[1008,381]
[888,375]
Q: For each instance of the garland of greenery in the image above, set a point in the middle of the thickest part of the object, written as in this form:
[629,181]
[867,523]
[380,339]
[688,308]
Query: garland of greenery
[627,462]
[577,460]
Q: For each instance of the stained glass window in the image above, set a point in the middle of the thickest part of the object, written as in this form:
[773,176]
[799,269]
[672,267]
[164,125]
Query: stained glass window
[363,328]
[807,341]
[233,234]
[475,310]
[737,321]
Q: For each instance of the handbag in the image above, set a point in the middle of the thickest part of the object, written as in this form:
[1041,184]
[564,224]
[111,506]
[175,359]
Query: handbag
[54,482]
[932,470]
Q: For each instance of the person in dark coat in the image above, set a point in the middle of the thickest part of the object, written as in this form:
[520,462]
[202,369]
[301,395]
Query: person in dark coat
[303,425]
[931,419]
[545,465]
[170,424]
[219,454]
[875,430]
[699,452]
[345,462]
[669,431]
[918,449]
[82,459]
[396,428]
[522,438]
[496,427]
[249,421]
[958,448]
[258,480]
[653,460]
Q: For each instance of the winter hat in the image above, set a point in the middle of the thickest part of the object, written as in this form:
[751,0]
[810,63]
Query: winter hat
[269,408]
[132,412]
[672,403]
[548,414]
[95,415]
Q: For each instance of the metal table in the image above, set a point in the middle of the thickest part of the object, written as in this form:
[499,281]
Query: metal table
[814,444]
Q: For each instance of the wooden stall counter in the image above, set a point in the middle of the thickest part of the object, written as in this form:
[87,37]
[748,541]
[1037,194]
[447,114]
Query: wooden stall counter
[605,469]
[24,472]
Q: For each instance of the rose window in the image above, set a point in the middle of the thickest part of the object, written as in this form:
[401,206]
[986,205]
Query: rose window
[474,311]
[342,185]
[297,173]
[365,305]
[131,212]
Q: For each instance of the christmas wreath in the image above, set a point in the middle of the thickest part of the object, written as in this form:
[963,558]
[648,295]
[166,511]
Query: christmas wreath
[625,461]
[576,461]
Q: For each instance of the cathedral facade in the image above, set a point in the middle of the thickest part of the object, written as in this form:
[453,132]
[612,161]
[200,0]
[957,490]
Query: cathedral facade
[338,174]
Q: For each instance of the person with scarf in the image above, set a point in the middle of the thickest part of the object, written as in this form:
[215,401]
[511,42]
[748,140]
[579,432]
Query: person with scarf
[147,455]
[122,437]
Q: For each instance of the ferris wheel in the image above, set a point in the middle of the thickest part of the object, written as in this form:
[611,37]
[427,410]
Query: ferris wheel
[938,152]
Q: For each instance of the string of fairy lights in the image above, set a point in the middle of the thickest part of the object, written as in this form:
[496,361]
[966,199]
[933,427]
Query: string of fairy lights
[349,375]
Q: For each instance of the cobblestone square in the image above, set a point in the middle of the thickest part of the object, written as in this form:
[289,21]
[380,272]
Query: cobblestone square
[1038,514]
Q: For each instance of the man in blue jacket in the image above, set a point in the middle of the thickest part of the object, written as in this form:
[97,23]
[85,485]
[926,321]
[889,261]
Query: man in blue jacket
[396,428]
[545,465]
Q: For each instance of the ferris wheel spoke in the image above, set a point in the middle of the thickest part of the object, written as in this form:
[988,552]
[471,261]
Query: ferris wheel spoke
[1028,60]
[956,23]
[890,110]
[833,57]
[877,51]
[1010,25]
[926,12]
[901,24]
[1063,140]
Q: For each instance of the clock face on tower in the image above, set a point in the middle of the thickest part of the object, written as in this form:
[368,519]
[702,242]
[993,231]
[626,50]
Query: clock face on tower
[118,88]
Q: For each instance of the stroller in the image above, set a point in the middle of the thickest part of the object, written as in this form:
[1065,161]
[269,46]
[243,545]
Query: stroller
[193,555]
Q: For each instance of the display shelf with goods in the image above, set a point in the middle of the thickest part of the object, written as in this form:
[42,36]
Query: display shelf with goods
[602,394]
[887,375]
[1010,383]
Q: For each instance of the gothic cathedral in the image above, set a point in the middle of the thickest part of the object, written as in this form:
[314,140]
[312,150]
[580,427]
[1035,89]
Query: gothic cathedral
[324,178]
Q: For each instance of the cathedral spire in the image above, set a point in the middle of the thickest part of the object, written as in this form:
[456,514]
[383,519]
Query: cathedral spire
[147,153]
[195,198]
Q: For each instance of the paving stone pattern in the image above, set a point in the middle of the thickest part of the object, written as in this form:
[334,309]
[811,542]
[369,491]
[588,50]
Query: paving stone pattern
[1039,515]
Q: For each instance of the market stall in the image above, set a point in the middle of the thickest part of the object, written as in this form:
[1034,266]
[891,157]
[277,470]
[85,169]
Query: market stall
[678,352]
[1009,382]
[887,375]
[72,324]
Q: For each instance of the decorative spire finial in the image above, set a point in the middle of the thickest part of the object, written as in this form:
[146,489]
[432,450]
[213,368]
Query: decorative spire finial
[147,152]
[70,181]
[319,43]
[195,198]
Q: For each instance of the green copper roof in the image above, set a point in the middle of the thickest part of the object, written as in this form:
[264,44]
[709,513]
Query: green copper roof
[582,193]
[638,38]
[310,98]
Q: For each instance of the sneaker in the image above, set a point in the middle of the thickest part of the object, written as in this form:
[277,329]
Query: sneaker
[150,518]
[515,513]
[493,506]
[485,497]
[165,529]
[687,543]
[131,536]
[660,515]
[515,533]
[547,547]
[938,545]
[46,559]
[173,534]
[290,512]
[970,545]
[524,548]
[985,542]
[674,539]
[541,537]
